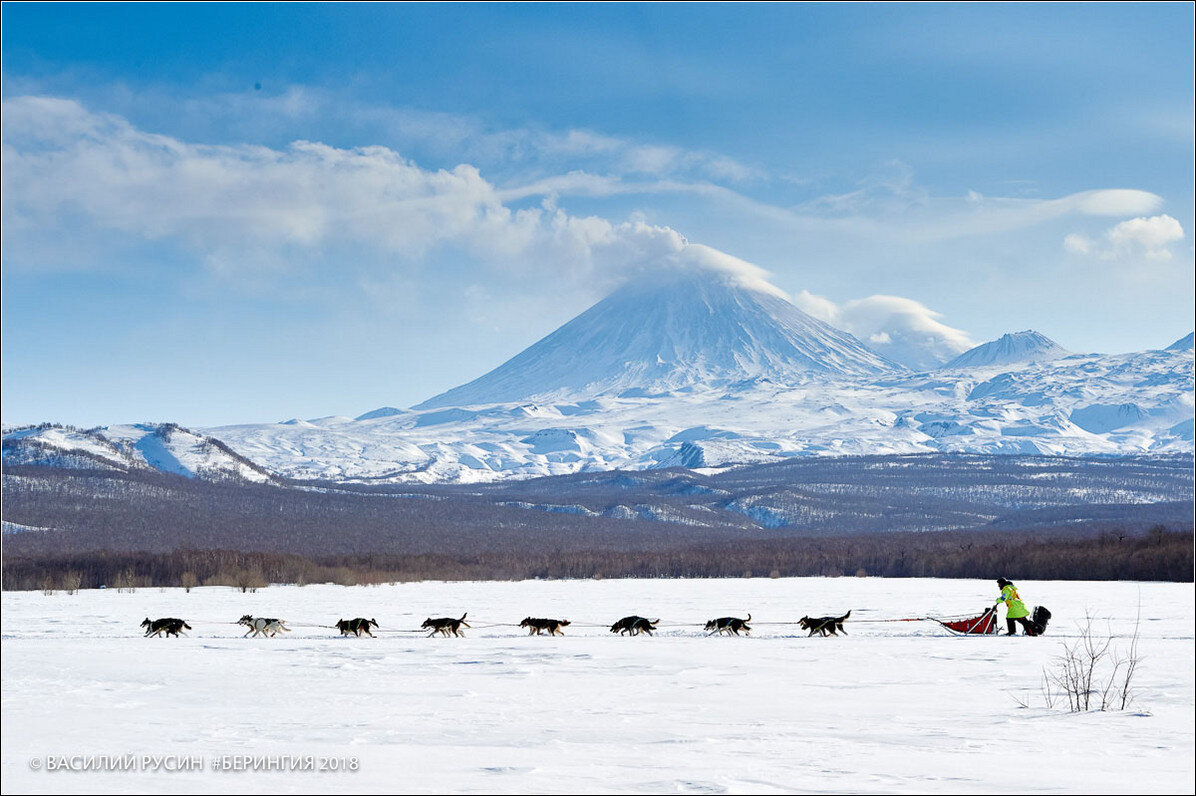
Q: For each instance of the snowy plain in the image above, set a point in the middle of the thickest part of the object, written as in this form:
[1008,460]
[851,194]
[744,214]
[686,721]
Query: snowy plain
[894,707]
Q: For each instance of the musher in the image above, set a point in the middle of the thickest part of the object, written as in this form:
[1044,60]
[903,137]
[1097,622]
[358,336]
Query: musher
[1015,609]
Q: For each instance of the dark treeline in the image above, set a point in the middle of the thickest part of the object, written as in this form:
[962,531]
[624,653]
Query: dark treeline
[1160,554]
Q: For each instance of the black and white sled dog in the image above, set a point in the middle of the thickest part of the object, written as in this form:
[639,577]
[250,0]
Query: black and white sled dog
[261,626]
[356,626]
[729,625]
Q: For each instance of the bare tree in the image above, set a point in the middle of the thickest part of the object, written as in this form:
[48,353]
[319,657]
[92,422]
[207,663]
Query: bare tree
[71,581]
[1093,673]
[1119,693]
[250,580]
[125,582]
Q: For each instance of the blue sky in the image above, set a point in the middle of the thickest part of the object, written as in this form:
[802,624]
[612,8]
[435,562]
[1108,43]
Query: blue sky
[244,213]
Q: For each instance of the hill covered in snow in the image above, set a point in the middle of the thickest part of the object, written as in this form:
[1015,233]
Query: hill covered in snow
[1183,343]
[162,447]
[1009,349]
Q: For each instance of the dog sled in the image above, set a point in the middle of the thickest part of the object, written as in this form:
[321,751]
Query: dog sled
[983,625]
[986,623]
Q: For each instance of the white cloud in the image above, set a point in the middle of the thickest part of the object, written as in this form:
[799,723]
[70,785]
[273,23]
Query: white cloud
[901,329]
[1150,236]
[706,258]
[1134,238]
[1077,244]
[820,307]
[460,136]
[253,208]
[1111,202]
[889,204]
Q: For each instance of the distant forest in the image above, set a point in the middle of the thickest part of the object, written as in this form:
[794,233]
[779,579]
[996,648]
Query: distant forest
[945,516]
[1158,554]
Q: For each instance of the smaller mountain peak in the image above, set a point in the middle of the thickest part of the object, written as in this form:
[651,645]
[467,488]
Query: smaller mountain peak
[1182,344]
[1009,349]
[385,411]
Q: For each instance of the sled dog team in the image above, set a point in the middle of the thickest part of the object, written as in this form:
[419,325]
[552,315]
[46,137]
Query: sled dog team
[1016,613]
[269,627]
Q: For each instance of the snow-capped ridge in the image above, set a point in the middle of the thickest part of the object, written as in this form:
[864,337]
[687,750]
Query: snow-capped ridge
[1009,349]
[164,447]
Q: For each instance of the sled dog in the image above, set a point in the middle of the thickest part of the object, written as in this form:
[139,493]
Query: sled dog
[826,625]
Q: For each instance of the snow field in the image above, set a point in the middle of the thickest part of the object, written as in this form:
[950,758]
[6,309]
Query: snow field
[894,707]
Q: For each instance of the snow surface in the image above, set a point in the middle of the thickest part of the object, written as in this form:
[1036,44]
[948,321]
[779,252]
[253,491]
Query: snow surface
[897,707]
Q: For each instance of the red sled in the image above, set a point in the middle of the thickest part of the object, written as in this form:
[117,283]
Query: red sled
[983,625]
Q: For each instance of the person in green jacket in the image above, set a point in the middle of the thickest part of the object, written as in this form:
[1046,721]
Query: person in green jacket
[1015,609]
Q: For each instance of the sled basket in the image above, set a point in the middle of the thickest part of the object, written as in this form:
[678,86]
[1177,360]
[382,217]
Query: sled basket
[983,625]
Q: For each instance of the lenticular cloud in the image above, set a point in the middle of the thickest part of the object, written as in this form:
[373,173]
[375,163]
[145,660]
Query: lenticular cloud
[901,329]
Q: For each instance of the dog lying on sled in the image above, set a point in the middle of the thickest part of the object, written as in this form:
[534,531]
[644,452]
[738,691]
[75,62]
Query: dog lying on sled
[634,625]
[445,625]
[729,625]
[537,626]
[356,626]
[165,627]
[261,626]
[826,625]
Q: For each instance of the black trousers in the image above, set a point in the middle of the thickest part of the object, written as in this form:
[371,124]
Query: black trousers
[1027,628]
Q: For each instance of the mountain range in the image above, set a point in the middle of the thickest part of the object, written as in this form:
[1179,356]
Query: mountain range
[690,369]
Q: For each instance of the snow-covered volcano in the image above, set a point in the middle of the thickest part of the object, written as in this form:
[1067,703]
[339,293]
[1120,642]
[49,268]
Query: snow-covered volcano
[669,332]
[1009,349]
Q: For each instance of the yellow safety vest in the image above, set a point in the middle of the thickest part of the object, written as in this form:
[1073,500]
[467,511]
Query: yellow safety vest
[1014,607]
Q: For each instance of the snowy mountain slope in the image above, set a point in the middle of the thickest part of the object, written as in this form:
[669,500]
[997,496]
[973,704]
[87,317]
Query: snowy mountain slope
[71,448]
[164,447]
[1009,349]
[667,333]
[1080,405]
[1183,343]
